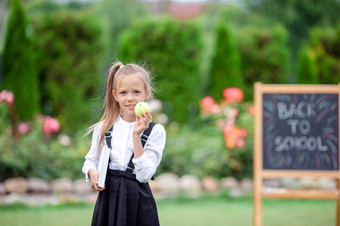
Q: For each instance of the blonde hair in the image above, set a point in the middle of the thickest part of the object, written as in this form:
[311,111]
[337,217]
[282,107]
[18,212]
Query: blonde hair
[110,105]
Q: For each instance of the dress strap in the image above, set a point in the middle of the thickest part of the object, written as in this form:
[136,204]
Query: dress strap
[108,136]
[144,138]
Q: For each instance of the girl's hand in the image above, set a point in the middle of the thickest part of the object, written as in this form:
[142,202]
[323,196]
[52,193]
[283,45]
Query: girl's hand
[142,123]
[93,174]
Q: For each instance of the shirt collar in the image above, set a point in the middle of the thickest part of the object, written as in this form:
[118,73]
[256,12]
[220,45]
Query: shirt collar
[122,122]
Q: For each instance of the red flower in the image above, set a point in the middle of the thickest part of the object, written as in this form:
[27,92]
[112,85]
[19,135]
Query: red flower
[233,95]
[209,106]
[7,96]
[51,125]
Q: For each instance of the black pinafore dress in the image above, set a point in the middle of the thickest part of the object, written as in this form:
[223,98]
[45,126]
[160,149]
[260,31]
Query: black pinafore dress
[125,201]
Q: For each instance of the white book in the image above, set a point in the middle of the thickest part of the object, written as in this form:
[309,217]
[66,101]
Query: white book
[102,165]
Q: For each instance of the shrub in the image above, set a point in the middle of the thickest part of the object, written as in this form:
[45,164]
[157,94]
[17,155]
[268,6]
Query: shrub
[225,67]
[264,57]
[118,16]
[70,50]
[222,146]
[319,60]
[174,50]
[19,74]
[307,72]
[35,149]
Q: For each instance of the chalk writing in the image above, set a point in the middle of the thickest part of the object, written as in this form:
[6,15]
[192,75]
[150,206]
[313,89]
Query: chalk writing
[300,131]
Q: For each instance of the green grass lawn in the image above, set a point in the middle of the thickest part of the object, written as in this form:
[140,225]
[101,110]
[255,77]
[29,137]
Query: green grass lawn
[211,211]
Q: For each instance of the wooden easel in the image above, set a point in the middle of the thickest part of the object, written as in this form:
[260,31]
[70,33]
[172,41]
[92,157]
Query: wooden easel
[260,173]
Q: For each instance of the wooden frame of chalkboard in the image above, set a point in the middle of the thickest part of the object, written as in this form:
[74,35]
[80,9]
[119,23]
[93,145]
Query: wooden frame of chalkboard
[296,134]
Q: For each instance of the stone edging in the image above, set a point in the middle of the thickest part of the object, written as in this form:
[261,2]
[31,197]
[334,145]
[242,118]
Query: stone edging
[35,191]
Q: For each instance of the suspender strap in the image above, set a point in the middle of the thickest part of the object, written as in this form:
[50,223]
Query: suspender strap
[144,138]
[108,136]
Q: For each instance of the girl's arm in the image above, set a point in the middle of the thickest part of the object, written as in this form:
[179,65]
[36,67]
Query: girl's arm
[91,159]
[147,162]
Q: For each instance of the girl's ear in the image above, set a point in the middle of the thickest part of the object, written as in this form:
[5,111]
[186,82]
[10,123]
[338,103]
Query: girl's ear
[148,94]
[114,95]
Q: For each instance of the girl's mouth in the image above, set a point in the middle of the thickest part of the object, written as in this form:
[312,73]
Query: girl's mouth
[131,107]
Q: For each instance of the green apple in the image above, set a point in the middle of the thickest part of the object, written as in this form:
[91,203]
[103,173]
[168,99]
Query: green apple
[141,108]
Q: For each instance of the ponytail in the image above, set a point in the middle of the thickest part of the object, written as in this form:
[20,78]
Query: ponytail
[110,106]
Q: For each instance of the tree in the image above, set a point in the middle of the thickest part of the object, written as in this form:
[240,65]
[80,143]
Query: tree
[320,58]
[299,17]
[174,49]
[70,47]
[118,16]
[19,74]
[225,68]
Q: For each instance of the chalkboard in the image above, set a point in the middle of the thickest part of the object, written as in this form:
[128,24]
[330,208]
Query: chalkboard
[300,131]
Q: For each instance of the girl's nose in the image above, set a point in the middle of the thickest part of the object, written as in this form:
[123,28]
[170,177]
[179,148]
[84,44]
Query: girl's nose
[129,97]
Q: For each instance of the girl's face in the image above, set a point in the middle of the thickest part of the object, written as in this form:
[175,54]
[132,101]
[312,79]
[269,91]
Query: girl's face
[129,91]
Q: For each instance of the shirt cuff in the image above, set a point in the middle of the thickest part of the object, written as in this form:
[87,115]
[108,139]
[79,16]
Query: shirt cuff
[141,162]
[86,172]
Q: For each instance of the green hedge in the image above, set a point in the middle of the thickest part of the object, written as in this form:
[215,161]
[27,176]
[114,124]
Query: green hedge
[264,56]
[319,61]
[225,67]
[71,50]
[19,74]
[173,49]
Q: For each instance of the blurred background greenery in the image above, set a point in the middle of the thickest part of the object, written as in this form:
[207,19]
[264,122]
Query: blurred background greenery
[55,54]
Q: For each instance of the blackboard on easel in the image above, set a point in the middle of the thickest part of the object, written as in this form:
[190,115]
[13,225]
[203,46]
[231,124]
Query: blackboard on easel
[300,131]
[296,135]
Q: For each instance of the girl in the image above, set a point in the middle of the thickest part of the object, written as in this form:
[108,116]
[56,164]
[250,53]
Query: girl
[126,198]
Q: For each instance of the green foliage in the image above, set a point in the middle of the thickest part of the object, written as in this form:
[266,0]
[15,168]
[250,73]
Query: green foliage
[118,16]
[261,47]
[203,152]
[37,8]
[70,49]
[198,152]
[19,74]
[37,155]
[225,67]
[174,49]
[320,59]
[264,57]
[298,16]
[307,72]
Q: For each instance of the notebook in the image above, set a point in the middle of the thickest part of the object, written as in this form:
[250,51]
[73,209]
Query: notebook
[102,165]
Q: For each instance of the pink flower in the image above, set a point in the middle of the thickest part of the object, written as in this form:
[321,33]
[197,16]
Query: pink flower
[251,110]
[220,123]
[23,128]
[64,140]
[243,132]
[233,112]
[207,101]
[234,137]
[240,143]
[7,96]
[233,95]
[51,125]
[209,106]
[228,129]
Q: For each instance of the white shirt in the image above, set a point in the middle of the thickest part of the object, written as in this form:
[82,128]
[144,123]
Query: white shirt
[122,150]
